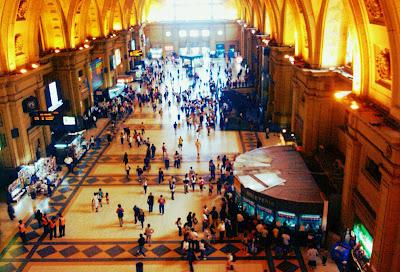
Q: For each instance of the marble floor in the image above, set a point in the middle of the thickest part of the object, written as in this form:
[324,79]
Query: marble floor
[94,241]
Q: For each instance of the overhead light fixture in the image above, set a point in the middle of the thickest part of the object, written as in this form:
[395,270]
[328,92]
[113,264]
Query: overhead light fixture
[80,48]
[57,51]
[86,40]
[86,46]
[283,130]
[23,71]
[35,65]
[94,38]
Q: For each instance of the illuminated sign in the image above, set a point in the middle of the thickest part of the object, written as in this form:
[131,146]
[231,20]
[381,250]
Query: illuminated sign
[364,237]
[44,118]
[135,53]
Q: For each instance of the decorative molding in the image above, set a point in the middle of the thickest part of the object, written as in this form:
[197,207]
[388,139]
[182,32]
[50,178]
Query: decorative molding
[382,67]
[22,9]
[375,12]
[19,45]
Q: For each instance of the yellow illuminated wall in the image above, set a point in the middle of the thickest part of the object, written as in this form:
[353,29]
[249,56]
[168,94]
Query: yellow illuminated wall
[334,35]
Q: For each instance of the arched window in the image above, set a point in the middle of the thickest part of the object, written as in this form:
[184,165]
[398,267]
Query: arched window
[194,10]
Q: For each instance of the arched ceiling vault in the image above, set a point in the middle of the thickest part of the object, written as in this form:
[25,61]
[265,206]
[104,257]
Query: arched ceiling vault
[67,23]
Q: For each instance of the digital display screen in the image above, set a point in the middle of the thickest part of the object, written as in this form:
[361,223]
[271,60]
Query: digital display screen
[364,237]
[96,68]
[53,97]
[69,121]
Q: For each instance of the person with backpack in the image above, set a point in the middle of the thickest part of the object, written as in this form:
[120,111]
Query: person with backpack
[120,213]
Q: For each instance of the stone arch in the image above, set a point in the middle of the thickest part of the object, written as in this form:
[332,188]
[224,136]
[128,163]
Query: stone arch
[392,19]
[117,20]
[290,22]
[53,25]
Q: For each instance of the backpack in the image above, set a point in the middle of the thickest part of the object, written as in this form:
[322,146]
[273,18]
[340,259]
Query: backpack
[120,213]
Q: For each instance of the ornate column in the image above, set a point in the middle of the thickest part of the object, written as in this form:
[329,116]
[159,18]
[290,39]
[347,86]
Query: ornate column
[281,72]
[351,170]
[314,118]
[71,68]
[384,254]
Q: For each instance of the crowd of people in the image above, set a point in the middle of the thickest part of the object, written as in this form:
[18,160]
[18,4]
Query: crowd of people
[198,107]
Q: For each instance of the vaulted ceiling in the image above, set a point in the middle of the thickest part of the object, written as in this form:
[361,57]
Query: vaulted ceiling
[322,31]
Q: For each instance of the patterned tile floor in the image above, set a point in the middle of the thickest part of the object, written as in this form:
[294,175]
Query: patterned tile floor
[95,242]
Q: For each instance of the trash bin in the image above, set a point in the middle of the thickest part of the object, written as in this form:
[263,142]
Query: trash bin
[139,267]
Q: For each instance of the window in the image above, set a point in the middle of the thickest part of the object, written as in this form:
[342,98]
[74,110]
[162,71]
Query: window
[372,169]
[205,33]
[220,33]
[193,10]
[182,33]
[194,33]
[168,33]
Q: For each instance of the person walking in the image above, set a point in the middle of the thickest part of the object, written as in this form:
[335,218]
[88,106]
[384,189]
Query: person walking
[100,195]
[120,213]
[53,228]
[150,202]
[141,217]
[38,217]
[191,257]
[221,229]
[161,204]
[125,159]
[11,211]
[145,186]
[45,224]
[61,225]
[312,254]
[22,231]
[178,223]
[127,169]
[95,203]
[164,150]
[198,146]
[136,211]
[148,232]
[141,242]
[160,176]
[153,151]
[180,143]
[172,188]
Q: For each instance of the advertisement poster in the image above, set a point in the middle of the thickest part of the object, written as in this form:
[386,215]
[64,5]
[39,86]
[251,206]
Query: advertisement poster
[96,68]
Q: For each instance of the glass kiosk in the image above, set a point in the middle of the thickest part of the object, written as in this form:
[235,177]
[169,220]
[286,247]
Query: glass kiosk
[249,206]
[310,221]
[267,215]
[290,219]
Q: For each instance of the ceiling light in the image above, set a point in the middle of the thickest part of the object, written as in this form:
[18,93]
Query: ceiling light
[57,51]
[35,65]
[23,71]
[86,46]
[80,48]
